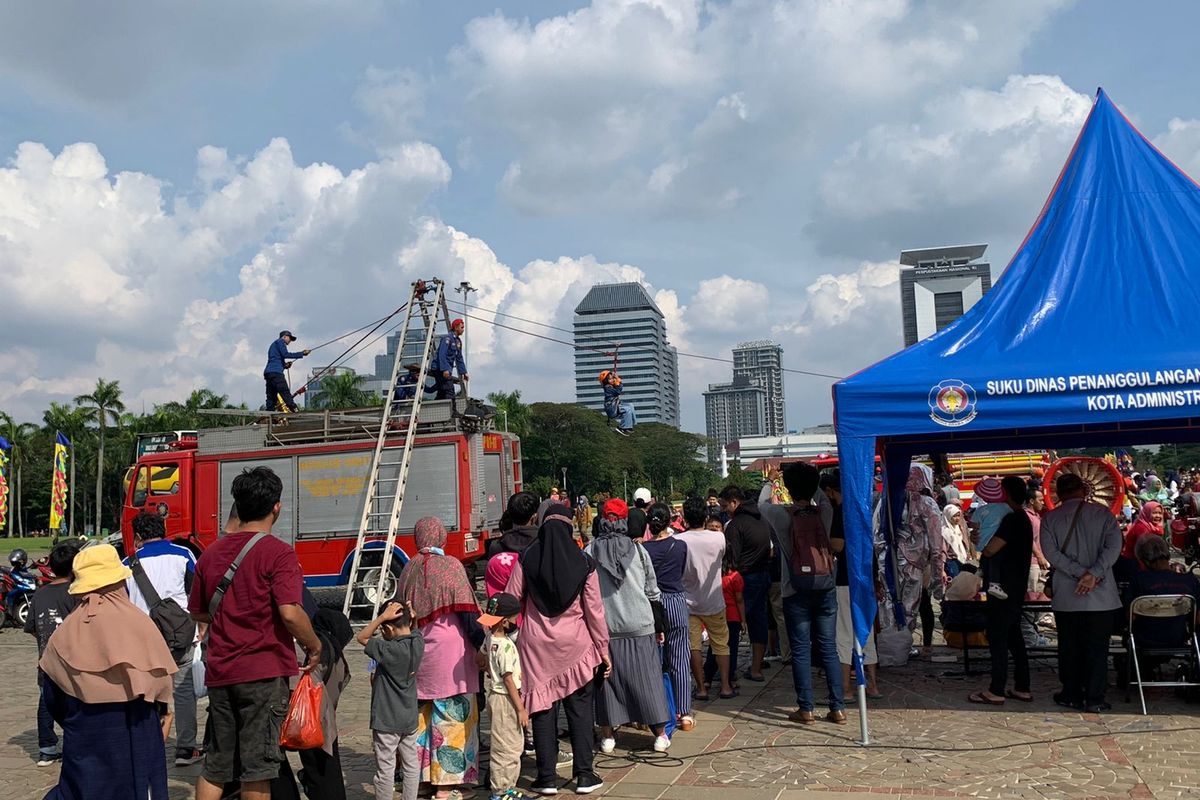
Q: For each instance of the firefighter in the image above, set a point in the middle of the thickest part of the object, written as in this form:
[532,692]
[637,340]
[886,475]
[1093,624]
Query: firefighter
[448,358]
[623,413]
[406,384]
[278,392]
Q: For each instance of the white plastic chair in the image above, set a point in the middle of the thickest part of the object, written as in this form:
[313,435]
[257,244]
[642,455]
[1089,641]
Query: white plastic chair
[1164,606]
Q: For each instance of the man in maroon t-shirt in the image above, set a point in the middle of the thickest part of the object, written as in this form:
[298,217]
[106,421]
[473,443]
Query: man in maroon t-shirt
[251,642]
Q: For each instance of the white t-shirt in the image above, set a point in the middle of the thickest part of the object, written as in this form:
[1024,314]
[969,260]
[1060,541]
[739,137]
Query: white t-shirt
[702,574]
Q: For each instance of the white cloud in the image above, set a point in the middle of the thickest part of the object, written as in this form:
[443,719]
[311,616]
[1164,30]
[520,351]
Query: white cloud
[977,161]
[1181,143]
[669,104]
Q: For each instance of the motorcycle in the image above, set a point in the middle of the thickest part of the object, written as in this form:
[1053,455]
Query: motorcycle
[17,585]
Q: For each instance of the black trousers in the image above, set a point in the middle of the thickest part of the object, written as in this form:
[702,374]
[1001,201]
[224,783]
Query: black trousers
[1083,654]
[277,386]
[580,720]
[925,609]
[1004,637]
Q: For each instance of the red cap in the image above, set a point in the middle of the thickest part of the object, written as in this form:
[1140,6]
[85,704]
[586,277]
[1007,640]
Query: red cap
[458,323]
[616,509]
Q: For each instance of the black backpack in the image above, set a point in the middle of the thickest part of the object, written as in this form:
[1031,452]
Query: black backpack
[174,623]
[811,564]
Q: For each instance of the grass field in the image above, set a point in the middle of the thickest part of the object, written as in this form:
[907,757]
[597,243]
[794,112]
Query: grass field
[36,546]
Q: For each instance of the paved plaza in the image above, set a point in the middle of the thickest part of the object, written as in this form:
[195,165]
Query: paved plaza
[926,742]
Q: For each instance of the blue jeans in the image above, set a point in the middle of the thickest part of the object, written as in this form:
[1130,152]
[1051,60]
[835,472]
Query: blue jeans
[811,617]
[47,740]
[755,594]
[624,414]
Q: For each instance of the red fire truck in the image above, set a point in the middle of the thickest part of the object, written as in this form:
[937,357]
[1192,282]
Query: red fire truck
[462,471]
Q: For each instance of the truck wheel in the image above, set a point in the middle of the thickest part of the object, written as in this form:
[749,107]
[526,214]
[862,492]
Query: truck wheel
[372,562]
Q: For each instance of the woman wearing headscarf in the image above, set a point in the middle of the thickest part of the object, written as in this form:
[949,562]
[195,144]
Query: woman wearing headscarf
[955,543]
[446,613]
[1154,491]
[669,557]
[1149,520]
[634,692]
[108,684]
[921,552]
[563,642]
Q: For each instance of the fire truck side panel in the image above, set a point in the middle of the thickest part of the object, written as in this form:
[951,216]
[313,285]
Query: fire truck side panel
[496,496]
[332,490]
[284,527]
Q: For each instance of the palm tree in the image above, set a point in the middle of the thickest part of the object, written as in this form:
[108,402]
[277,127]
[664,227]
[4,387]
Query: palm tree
[189,410]
[102,405]
[515,414]
[18,435]
[342,390]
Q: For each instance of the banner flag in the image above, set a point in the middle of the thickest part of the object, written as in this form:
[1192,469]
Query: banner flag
[58,488]
[5,455]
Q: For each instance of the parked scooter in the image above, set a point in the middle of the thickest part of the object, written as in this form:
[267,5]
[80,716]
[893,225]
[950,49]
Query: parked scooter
[17,585]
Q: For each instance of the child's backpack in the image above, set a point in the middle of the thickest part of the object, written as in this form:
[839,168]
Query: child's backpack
[811,563]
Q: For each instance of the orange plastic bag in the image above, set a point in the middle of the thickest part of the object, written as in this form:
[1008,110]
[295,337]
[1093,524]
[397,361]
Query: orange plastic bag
[302,726]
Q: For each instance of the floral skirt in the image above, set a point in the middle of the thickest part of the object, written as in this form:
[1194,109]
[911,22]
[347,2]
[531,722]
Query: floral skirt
[448,740]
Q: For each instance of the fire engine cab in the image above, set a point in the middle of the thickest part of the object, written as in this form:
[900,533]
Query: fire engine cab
[462,471]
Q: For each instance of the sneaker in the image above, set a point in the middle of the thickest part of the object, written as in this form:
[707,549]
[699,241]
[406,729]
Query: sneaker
[530,750]
[662,744]
[565,756]
[185,758]
[997,591]
[543,788]
[607,745]
[587,783]
[46,759]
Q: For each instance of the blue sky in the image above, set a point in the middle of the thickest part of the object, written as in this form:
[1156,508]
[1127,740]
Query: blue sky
[176,187]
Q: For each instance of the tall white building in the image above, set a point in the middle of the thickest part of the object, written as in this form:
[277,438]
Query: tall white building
[938,285]
[733,411]
[762,363]
[625,314]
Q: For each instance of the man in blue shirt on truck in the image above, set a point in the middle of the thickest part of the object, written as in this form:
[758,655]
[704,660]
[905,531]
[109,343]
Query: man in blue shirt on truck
[448,358]
[277,385]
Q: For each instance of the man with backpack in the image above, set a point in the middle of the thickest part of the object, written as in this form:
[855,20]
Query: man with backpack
[162,577]
[809,589]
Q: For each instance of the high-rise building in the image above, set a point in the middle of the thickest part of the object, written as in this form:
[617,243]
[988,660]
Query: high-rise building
[762,363]
[733,411]
[624,314]
[938,285]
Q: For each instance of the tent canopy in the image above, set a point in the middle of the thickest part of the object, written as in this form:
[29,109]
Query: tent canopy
[1084,340]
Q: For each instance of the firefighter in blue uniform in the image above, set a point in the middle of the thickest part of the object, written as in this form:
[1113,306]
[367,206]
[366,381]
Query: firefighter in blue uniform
[277,385]
[449,358]
[406,384]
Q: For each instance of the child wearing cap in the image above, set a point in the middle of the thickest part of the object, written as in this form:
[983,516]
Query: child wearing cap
[509,717]
[987,518]
[397,655]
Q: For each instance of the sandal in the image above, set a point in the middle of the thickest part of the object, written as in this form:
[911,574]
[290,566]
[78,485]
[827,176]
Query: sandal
[701,696]
[876,696]
[982,699]
[1015,695]
[730,696]
[749,677]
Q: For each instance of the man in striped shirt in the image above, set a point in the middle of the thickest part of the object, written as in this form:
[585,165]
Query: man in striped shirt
[170,568]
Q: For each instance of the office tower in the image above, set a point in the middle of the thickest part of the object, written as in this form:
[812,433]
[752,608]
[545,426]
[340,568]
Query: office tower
[733,411]
[762,363]
[938,285]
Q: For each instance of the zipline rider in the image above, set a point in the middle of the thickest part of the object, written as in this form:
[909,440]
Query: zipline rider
[277,385]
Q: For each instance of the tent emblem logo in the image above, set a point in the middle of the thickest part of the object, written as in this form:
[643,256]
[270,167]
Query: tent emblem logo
[952,403]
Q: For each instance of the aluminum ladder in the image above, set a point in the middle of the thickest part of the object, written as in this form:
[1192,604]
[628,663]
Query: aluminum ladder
[385,495]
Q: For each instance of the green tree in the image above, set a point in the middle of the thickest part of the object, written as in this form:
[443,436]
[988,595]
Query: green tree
[342,390]
[103,405]
[187,416]
[511,414]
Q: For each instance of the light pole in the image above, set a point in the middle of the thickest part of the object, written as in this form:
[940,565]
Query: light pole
[465,288]
[564,483]
[504,411]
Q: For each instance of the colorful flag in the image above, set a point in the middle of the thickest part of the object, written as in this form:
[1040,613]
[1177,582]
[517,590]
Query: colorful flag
[5,449]
[58,488]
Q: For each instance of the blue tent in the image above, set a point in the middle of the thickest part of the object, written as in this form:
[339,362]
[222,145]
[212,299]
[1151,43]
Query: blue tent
[1084,340]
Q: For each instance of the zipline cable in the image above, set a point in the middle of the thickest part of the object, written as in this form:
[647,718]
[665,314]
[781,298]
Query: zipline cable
[379,324]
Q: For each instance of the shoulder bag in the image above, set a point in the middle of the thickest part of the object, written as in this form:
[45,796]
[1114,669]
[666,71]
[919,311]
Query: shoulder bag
[1048,589]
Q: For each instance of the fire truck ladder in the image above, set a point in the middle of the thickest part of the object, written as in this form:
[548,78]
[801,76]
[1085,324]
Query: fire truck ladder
[370,586]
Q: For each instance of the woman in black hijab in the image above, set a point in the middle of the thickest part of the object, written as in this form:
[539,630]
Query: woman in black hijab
[563,642]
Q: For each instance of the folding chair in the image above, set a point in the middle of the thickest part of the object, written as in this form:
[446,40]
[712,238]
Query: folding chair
[1164,606]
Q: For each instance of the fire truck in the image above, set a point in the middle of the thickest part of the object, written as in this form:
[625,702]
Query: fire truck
[462,471]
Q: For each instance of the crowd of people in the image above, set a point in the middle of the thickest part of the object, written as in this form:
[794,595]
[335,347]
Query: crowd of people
[587,637]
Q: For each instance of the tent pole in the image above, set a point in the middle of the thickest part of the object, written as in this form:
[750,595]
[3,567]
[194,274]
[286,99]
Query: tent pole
[861,679]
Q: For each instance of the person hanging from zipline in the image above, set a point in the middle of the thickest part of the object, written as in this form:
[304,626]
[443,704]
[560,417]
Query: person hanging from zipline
[449,357]
[623,413]
[279,394]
